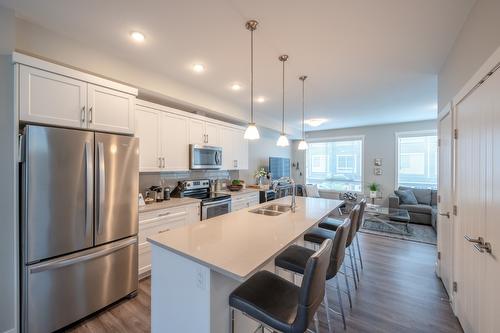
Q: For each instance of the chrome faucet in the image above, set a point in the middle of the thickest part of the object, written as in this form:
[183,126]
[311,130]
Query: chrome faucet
[294,194]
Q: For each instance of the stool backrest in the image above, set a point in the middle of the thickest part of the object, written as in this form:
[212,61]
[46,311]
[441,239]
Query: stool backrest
[312,289]
[362,205]
[353,216]
[338,248]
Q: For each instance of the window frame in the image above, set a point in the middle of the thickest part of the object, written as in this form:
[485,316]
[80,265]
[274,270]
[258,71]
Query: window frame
[409,134]
[337,139]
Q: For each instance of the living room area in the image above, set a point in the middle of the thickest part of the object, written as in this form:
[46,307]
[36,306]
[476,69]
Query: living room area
[393,166]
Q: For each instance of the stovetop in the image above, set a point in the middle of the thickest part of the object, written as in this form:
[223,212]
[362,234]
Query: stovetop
[198,189]
[207,196]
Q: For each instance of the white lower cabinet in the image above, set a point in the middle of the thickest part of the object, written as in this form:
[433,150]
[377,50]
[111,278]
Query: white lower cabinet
[244,201]
[159,221]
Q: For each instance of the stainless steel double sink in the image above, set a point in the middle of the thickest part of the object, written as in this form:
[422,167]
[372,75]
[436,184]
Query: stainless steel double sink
[271,210]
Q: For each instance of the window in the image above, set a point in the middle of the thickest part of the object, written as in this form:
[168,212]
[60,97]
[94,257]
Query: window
[335,165]
[417,160]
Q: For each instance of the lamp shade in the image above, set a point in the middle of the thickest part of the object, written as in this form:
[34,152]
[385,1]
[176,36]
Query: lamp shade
[251,133]
[302,145]
[282,141]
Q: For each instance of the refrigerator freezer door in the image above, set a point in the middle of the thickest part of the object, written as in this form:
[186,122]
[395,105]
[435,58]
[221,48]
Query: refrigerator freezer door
[58,190]
[116,187]
[61,291]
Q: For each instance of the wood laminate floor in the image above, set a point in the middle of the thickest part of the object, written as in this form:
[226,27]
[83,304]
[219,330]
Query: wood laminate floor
[399,292]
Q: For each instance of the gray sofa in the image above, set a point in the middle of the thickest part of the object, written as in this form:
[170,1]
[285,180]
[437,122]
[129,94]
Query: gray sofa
[425,212]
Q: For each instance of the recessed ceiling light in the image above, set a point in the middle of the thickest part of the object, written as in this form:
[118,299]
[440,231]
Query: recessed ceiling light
[236,87]
[315,122]
[198,68]
[137,36]
[261,99]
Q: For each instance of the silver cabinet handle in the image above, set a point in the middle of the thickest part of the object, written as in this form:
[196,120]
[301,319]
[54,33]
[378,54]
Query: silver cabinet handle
[163,159]
[479,240]
[89,187]
[102,185]
[447,214]
[90,114]
[83,114]
[481,248]
[162,231]
[159,162]
[164,214]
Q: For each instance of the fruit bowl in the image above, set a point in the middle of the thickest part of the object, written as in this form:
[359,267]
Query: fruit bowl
[234,188]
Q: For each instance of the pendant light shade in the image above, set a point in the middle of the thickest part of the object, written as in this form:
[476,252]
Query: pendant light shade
[283,140]
[303,143]
[251,133]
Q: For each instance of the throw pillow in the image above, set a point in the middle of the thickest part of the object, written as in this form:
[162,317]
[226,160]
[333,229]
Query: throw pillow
[312,190]
[406,197]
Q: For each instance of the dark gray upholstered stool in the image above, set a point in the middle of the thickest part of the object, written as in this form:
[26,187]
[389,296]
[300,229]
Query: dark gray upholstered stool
[278,304]
[317,235]
[332,225]
[295,258]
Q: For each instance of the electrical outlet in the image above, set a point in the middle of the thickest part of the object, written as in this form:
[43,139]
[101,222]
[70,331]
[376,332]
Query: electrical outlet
[201,281]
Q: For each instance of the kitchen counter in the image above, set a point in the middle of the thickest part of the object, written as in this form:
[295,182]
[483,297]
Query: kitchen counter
[173,202]
[240,192]
[196,267]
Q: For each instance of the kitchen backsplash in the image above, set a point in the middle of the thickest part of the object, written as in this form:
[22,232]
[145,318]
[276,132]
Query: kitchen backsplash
[170,179]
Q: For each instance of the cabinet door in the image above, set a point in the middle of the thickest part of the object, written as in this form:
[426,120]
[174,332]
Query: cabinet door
[110,110]
[228,158]
[52,99]
[175,142]
[212,132]
[147,129]
[197,132]
[242,151]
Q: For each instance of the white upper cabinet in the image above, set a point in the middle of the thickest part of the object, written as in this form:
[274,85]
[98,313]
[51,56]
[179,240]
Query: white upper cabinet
[203,132]
[175,142]
[110,110]
[49,98]
[55,95]
[147,129]
[234,149]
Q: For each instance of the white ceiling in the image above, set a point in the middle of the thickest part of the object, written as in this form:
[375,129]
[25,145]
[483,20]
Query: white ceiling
[368,62]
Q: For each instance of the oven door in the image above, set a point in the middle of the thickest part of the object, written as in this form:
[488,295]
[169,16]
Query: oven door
[215,208]
[205,157]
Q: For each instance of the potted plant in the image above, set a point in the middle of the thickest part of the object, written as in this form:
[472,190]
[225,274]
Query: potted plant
[259,174]
[374,188]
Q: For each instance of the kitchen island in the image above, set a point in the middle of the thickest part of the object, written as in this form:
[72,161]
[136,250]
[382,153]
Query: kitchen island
[195,268]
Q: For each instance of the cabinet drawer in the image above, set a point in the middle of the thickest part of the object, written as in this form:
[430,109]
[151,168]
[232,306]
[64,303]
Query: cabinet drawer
[160,225]
[143,217]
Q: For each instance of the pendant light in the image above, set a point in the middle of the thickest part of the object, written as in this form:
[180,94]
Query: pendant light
[283,140]
[303,143]
[251,133]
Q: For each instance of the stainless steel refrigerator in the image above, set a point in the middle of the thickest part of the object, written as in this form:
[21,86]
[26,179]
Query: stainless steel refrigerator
[79,224]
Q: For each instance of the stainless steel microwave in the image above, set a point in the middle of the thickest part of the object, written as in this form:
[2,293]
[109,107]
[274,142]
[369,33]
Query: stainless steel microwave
[205,157]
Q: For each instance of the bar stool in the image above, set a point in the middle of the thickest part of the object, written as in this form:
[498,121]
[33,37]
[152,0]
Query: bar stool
[294,259]
[278,304]
[332,224]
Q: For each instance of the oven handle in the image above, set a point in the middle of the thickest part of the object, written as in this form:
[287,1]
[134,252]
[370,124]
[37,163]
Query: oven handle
[217,203]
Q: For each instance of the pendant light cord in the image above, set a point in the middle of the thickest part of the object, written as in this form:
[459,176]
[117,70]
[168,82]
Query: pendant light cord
[303,107]
[283,104]
[251,76]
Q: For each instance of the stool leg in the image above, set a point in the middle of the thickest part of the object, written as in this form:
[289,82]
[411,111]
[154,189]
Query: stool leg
[327,311]
[359,251]
[352,269]
[231,319]
[316,323]
[339,293]
[347,284]
[351,248]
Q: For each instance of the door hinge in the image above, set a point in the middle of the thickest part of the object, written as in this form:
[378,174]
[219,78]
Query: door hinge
[455,286]
[455,210]
[455,134]
[439,255]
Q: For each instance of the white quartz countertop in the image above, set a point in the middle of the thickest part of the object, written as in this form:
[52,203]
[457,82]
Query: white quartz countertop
[173,202]
[239,243]
[240,192]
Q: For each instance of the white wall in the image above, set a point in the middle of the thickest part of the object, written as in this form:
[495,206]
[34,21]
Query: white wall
[476,42]
[259,152]
[8,224]
[379,142]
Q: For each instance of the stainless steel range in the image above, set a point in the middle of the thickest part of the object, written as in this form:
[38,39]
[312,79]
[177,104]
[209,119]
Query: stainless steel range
[212,203]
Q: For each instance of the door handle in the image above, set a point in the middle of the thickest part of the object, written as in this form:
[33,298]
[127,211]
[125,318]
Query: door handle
[102,185]
[159,162]
[83,114]
[88,187]
[90,114]
[447,214]
[481,248]
[479,240]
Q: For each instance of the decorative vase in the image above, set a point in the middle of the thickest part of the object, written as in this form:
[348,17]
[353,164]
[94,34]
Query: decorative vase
[260,181]
[373,194]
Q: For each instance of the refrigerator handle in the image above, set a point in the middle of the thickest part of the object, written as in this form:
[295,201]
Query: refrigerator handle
[102,185]
[88,188]
[59,263]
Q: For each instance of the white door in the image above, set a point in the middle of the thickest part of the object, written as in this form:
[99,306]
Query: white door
[445,204]
[147,129]
[175,142]
[52,99]
[212,132]
[110,110]
[197,132]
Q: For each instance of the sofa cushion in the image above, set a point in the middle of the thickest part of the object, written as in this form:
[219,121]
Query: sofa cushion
[422,195]
[406,197]
[422,209]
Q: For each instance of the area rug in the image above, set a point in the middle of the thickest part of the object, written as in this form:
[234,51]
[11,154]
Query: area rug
[416,232]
